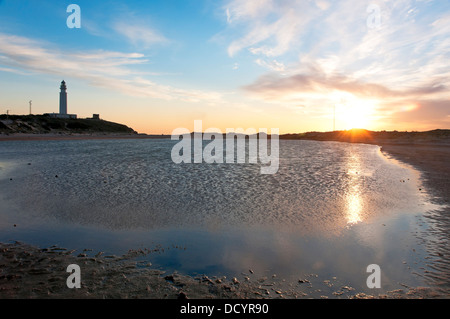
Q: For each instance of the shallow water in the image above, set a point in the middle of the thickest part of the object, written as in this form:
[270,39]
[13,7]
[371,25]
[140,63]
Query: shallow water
[330,210]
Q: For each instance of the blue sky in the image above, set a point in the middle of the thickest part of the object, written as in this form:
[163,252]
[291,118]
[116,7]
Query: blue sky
[160,65]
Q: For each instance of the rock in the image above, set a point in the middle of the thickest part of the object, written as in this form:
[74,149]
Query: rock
[302,281]
[182,295]
[235,281]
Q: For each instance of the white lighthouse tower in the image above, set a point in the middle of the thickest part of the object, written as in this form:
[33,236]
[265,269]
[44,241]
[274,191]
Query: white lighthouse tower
[62,105]
[63,99]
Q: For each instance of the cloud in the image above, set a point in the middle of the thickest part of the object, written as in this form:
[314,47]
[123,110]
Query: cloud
[421,115]
[273,65]
[139,35]
[329,53]
[108,69]
[270,27]
[274,86]
[423,106]
[228,15]
[322,4]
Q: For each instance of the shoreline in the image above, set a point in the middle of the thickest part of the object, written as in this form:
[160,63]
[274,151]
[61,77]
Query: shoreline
[75,136]
[431,160]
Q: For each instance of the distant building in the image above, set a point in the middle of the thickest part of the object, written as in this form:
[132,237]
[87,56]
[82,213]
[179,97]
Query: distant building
[96,116]
[62,104]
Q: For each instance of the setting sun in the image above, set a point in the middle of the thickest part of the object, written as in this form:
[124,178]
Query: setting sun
[353,113]
[356,117]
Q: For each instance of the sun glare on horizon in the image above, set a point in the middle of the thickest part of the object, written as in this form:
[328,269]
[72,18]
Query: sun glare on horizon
[354,113]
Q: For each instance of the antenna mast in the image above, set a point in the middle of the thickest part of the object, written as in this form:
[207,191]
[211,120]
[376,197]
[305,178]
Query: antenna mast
[334,117]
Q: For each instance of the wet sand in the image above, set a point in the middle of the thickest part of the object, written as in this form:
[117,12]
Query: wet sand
[29,272]
[432,160]
[35,272]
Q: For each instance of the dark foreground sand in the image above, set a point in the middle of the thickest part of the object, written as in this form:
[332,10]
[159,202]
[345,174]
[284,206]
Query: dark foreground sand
[32,272]
[432,160]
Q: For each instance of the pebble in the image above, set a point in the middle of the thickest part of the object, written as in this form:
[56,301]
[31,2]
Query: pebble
[303,281]
[182,295]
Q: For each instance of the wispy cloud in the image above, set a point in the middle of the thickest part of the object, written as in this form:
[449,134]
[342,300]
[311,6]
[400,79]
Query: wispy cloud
[329,51]
[316,81]
[108,69]
[138,34]
[270,26]
[273,65]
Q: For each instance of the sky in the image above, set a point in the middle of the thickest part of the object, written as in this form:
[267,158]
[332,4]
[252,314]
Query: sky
[304,65]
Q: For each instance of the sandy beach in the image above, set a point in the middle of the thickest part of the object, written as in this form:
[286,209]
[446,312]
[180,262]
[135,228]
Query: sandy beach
[431,160]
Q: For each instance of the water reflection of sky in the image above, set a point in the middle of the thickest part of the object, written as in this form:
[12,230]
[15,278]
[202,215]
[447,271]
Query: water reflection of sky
[331,210]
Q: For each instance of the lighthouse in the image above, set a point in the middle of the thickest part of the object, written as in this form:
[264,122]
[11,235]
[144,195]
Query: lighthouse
[62,105]
[63,98]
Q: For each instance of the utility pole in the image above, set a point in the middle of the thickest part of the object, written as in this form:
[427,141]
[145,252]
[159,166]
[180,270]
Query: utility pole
[334,117]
